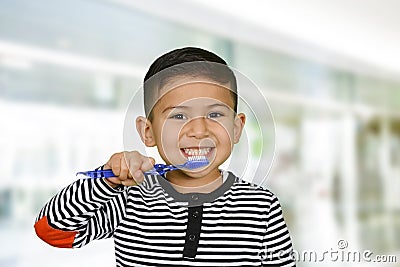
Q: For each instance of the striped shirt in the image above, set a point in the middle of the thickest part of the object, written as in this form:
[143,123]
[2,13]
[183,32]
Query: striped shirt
[238,224]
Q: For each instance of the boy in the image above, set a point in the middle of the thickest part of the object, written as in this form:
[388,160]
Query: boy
[188,217]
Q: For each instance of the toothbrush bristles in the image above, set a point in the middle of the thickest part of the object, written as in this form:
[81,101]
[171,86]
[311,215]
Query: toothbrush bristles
[195,162]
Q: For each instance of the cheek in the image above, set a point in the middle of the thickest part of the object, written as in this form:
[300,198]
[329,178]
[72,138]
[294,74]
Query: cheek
[169,135]
[224,131]
[224,135]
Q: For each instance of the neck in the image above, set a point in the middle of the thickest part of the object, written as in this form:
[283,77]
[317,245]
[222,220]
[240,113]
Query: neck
[184,183]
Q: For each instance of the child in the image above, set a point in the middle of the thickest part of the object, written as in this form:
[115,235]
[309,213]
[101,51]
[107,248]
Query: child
[188,217]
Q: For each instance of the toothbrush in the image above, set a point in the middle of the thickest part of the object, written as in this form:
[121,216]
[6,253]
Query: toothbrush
[193,162]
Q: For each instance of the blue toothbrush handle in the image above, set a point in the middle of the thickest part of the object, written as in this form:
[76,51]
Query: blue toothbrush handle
[98,174]
[160,169]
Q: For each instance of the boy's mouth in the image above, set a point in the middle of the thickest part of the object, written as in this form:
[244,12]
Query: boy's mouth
[197,151]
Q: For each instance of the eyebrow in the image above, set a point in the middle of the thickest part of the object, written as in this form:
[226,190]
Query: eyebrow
[219,105]
[186,107]
[174,107]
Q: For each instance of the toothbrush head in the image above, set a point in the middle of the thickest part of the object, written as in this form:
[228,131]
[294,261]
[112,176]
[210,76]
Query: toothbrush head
[195,162]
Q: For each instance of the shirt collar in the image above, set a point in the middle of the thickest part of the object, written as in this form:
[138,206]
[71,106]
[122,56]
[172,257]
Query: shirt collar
[197,199]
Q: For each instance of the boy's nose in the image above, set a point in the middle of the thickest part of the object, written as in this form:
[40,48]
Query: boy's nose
[197,127]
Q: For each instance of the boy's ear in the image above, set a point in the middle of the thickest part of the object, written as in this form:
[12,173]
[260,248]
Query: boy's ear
[145,130]
[240,120]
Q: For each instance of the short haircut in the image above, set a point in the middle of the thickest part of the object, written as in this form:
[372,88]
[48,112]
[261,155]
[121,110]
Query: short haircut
[186,62]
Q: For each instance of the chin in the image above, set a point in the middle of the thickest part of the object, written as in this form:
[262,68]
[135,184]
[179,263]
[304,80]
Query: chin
[198,173]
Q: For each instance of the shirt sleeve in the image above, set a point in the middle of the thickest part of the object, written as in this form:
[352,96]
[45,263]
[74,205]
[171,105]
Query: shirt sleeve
[86,210]
[277,245]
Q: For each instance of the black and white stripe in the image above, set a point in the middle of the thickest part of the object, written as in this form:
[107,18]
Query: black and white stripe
[240,226]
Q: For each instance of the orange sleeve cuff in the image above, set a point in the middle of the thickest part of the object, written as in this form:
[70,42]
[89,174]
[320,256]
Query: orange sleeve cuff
[54,237]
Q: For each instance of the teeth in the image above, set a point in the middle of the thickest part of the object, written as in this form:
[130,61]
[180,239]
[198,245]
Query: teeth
[197,152]
[197,158]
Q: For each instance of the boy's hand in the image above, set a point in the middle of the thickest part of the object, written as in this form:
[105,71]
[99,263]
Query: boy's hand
[128,166]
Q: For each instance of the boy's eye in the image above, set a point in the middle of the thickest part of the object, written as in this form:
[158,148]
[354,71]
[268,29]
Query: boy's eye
[214,115]
[178,116]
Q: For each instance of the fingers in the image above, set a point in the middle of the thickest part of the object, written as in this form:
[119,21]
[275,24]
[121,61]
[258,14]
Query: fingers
[136,173]
[148,163]
[119,166]
[114,163]
[124,170]
[138,164]
[128,167]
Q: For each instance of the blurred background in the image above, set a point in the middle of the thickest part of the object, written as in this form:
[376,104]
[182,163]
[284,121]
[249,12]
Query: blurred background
[329,69]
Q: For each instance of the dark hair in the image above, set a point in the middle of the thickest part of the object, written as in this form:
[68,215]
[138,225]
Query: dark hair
[172,64]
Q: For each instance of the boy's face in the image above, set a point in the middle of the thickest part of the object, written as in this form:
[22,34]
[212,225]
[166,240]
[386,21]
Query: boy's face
[194,119]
